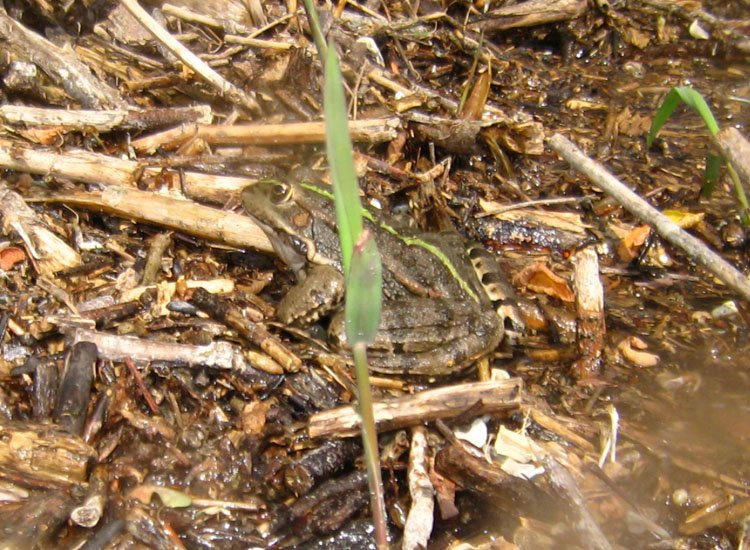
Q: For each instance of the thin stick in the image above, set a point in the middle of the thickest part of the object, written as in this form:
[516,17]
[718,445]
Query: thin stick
[665,227]
[142,386]
[227,90]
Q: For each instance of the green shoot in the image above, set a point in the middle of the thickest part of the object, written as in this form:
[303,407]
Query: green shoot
[363,272]
[691,98]
[339,149]
[312,16]
[694,100]
[364,291]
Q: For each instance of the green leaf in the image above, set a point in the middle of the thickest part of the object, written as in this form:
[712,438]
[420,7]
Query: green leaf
[695,101]
[689,97]
[339,150]
[665,111]
[173,499]
[363,292]
[312,17]
[711,175]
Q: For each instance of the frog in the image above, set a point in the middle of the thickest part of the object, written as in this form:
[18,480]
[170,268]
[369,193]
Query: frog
[437,317]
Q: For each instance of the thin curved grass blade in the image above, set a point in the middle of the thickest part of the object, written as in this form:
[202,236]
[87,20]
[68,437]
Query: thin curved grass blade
[695,101]
[668,106]
[691,98]
[711,175]
[317,32]
[339,150]
[363,292]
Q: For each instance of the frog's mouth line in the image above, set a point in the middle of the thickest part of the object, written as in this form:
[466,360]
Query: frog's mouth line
[289,253]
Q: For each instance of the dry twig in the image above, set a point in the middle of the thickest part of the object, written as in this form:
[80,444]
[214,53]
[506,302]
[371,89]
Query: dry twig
[669,230]
[225,88]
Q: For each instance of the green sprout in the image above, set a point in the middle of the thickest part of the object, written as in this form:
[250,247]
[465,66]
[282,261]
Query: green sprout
[694,100]
[361,261]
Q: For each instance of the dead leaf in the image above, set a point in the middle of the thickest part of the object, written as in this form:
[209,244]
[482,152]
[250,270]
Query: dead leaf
[637,38]
[43,136]
[631,349]
[523,137]
[632,242]
[445,494]
[169,497]
[686,220]
[10,257]
[630,124]
[540,278]
[474,106]
[142,493]
[254,416]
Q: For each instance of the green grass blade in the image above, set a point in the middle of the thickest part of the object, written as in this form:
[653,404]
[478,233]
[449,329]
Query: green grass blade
[363,292]
[317,32]
[339,149]
[370,442]
[662,115]
[689,97]
[695,101]
[711,175]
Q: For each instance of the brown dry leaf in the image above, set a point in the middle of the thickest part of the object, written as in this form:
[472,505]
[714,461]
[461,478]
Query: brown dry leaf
[630,124]
[631,349]
[637,38]
[445,494]
[632,242]
[11,256]
[523,137]
[540,278]
[142,493]
[43,136]
[474,106]
[254,416]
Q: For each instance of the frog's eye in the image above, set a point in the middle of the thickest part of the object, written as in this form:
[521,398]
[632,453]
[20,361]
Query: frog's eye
[299,245]
[280,192]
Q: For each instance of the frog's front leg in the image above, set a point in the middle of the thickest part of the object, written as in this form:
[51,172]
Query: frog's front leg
[312,298]
[427,336]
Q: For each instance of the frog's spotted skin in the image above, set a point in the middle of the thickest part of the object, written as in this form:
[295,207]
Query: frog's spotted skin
[437,317]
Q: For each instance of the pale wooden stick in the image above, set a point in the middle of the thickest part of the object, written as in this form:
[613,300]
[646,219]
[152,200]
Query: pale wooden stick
[418,525]
[590,312]
[736,150]
[368,131]
[47,251]
[175,213]
[225,88]
[637,206]
[480,397]
[116,347]
[103,121]
[106,170]
[187,14]
[257,42]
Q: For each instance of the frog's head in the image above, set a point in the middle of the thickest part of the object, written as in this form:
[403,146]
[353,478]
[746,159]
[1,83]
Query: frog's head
[276,207]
